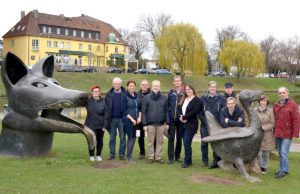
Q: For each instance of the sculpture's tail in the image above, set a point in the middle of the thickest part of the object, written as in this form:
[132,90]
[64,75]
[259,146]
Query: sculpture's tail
[212,123]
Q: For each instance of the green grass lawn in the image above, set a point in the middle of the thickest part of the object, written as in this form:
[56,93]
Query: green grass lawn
[68,170]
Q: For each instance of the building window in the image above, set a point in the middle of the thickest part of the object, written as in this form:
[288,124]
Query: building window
[97,36]
[68,45]
[58,30]
[67,32]
[89,61]
[98,61]
[116,50]
[49,30]
[44,29]
[55,45]
[35,44]
[80,60]
[80,46]
[106,49]
[98,48]
[32,57]
[49,44]
[74,33]
[82,34]
[90,35]
[89,47]
[62,45]
[12,43]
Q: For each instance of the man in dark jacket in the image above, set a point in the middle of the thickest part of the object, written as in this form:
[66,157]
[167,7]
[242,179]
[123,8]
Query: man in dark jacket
[232,115]
[144,90]
[174,96]
[114,99]
[213,102]
[155,120]
[287,123]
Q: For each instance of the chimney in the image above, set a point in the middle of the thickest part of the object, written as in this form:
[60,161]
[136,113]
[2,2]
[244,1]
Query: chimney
[22,14]
[82,15]
[35,13]
[62,16]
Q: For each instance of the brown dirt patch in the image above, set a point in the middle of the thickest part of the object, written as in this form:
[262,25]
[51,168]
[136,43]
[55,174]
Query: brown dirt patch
[109,165]
[208,179]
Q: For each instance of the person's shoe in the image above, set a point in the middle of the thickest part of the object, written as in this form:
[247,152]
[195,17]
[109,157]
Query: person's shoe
[280,175]
[141,157]
[92,158]
[161,161]
[170,161]
[184,165]
[178,160]
[263,170]
[150,161]
[111,157]
[276,173]
[122,158]
[131,161]
[204,164]
[98,158]
[213,165]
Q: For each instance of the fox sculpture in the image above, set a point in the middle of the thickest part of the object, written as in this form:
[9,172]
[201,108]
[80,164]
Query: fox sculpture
[35,101]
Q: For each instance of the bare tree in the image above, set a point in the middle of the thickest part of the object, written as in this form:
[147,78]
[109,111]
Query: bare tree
[153,25]
[289,56]
[269,46]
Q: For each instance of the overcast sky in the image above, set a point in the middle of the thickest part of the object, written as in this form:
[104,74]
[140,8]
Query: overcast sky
[258,18]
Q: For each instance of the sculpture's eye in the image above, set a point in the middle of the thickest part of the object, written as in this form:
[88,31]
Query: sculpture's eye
[39,84]
[56,83]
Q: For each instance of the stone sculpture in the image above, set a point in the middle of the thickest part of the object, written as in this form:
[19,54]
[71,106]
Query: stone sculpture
[35,101]
[237,145]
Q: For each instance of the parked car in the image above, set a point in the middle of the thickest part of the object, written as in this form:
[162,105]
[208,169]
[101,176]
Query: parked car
[66,68]
[89,69]
[162,72]
[282,75]
[114,70]
[218,73]
[144,71]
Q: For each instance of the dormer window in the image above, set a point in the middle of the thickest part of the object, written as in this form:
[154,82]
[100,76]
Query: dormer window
[58,30]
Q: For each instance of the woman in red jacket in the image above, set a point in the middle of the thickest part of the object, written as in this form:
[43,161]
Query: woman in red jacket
[287,123]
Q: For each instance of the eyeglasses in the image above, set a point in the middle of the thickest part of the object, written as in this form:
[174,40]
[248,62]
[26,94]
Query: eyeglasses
[281,92]
[187,89]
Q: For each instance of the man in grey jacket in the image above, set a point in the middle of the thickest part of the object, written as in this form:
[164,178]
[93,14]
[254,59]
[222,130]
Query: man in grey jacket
[155,120]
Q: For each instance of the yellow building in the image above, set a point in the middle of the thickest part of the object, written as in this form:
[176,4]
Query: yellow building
[79,40]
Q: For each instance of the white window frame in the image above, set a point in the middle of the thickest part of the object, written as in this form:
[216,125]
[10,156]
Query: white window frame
[35,44]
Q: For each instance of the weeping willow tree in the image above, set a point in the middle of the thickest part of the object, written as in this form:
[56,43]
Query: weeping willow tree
[246,56]
[182,44]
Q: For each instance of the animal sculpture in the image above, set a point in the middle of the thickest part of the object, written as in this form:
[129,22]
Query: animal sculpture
[235,144]
[35,101]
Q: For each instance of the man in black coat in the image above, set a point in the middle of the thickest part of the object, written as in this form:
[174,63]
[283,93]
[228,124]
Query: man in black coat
[155,120]
[232,115]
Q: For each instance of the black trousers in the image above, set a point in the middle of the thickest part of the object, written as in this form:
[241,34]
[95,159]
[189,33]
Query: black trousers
[99,137]
[141,139]
[174,130]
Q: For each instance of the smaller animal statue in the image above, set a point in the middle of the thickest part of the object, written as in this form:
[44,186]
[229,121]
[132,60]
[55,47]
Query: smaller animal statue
[237,145]
[35,101]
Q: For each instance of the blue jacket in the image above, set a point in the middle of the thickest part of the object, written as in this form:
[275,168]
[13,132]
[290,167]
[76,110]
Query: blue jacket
[173,100]
[232,118]
[211,104]
[132,105]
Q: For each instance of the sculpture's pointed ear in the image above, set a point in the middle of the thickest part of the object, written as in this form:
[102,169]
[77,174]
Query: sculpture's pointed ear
[13,69]
[45,66]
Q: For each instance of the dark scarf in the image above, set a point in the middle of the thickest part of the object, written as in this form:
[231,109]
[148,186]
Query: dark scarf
[283,102]
[155,96]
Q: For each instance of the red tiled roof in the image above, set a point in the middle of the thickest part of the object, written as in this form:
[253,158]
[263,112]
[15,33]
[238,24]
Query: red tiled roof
[28,26]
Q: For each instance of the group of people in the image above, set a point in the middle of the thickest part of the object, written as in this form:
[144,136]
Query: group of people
[133,113]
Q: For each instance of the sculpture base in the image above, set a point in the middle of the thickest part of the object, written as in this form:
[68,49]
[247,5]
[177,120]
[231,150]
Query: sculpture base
[25,143]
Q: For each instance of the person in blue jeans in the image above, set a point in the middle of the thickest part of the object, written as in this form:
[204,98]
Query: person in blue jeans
[114,100]
[187,114]
[287,123]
